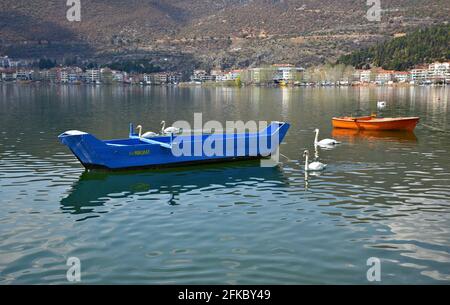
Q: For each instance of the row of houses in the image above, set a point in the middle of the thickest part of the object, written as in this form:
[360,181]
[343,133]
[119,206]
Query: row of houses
[279,73]
[290,74]
[273,73]
[73,75]
[434,73]
[215,75]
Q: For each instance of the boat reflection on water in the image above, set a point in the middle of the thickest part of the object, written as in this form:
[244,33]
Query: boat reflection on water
[350,135]
[95,188]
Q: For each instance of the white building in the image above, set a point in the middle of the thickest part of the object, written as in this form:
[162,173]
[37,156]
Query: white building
[419,74]
[200,76]
[286,72]
[233,74]
[365,76]
[93,76]
[174,77]
[384,76]
[64,76]
[73,77]
[8,75]
[218,75]
[147,79]
[23,75]
[161,78]
[401,77]
[439,70]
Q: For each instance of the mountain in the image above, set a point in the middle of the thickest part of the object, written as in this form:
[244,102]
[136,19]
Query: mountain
[401,53]
[207,33]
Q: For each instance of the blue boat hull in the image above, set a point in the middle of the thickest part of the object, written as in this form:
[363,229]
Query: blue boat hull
[171,151]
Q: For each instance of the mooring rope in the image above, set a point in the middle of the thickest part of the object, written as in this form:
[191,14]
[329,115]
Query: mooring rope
[286,157]
[435,128]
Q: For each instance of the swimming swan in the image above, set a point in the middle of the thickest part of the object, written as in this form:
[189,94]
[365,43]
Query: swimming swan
[324,142]
[314,166]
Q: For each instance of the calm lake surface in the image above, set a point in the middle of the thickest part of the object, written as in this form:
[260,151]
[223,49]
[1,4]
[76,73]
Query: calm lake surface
[382,195]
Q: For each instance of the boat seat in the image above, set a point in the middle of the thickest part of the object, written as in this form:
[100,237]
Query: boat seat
[119,145]
[149,141]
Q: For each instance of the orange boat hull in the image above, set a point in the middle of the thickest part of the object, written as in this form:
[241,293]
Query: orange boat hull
[373,123]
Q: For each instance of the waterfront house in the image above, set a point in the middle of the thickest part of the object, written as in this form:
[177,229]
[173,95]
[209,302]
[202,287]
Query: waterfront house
[8,75]
[74,75]
[401,76]
[160,78]
[174,77]
[200,76]
[439,72]
[384,76]
[70,75]
[286,72]
[155,78]
[64,76]
[23,75]
[217,75]
[419,74]
[147,79]
[233,75]
[92,76]
[365,76]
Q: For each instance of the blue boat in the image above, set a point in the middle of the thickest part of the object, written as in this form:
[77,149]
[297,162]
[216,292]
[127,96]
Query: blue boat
[136,152]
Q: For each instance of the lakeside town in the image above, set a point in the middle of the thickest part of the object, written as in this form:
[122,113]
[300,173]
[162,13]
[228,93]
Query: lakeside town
[437,73]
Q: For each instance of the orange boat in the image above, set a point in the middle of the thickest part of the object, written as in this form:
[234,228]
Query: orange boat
[374,123]
[351,135]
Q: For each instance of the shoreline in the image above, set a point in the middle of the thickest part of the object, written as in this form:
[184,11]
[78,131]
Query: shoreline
[217,85]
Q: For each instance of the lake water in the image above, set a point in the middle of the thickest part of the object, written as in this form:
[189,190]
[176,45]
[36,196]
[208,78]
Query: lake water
[382,195]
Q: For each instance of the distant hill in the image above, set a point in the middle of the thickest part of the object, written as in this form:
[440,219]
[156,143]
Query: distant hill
[421,46]
[222,33]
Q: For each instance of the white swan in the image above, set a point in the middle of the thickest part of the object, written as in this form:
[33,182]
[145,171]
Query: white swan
[381,104]
[148,134]
[324,142]
[170,129]
[314,166]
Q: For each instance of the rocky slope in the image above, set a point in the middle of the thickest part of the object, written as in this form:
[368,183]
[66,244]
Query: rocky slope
[223,33]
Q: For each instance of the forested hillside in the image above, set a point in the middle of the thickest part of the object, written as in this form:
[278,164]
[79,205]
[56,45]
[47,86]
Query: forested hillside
[421,46]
